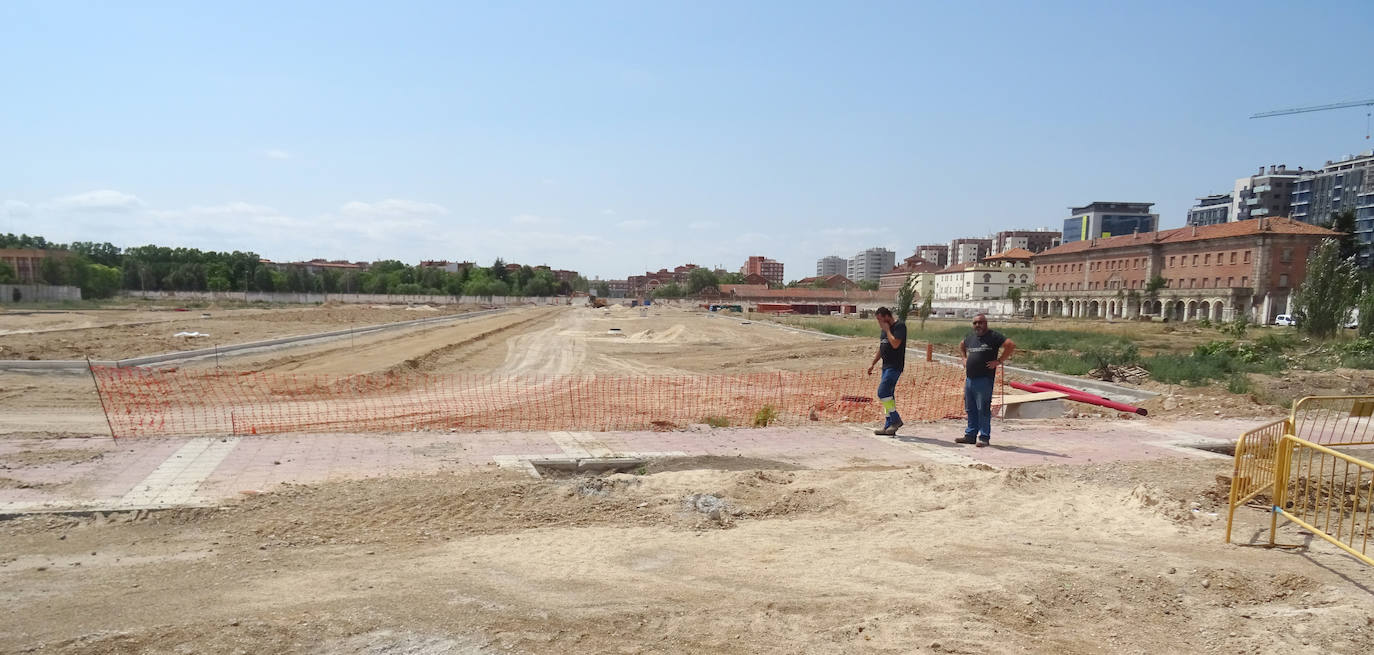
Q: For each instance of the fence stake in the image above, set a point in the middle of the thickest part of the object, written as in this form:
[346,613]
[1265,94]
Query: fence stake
[103,410]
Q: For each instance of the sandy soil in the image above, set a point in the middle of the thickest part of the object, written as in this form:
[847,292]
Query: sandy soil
[120,334]
[931,559]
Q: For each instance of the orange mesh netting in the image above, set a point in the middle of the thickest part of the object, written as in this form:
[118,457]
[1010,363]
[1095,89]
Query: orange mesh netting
[142,402]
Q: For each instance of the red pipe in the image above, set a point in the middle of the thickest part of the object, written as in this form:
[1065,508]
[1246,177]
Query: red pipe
[1080,396]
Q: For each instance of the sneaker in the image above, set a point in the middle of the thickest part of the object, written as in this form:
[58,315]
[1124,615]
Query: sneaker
[984,443]
[966,439]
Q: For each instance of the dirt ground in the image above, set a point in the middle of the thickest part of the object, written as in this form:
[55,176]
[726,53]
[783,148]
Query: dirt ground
[936,559]
[122,333]
[528,341]
[700,555]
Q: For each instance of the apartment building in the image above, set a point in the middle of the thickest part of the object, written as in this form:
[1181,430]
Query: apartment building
[967,251]
[870,264]
[769,269]
[832,265]
[1031,240]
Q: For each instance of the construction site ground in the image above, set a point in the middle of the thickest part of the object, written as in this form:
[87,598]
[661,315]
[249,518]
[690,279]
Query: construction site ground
[1082,535]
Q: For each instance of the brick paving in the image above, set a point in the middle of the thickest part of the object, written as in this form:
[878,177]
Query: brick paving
[160,472]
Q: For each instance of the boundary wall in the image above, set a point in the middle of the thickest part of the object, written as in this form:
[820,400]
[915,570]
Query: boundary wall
[37,293]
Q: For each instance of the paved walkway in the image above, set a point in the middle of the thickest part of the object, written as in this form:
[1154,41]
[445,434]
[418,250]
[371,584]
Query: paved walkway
[50,474]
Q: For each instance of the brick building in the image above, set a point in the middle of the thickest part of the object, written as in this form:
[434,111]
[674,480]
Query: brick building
[771,270]
[895,278]
[1248,268]
[27,263]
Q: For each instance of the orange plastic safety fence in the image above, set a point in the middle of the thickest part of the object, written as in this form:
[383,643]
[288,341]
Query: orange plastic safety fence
[142,402]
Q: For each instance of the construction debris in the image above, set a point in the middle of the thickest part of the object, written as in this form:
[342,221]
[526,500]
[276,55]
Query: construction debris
[1112,373]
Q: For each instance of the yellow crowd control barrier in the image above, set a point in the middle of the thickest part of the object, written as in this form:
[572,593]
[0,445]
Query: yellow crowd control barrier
[1292,463]
[1329,493]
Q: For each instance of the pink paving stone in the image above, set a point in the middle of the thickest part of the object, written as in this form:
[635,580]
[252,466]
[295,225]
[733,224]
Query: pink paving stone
[315,458]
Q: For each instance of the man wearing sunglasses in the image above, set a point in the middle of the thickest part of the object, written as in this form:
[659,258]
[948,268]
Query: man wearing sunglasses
[980,349]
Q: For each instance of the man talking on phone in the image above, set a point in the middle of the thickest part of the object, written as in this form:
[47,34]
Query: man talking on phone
[892,352]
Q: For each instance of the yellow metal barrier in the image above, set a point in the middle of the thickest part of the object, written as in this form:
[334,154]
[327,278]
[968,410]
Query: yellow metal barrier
[1255,464]
[1328,493]
[1334,420]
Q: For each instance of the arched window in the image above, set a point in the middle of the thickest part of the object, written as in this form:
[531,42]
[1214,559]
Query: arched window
[1023,278]
[987,277]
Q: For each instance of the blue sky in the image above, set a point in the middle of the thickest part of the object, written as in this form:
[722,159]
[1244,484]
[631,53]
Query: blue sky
[615,137]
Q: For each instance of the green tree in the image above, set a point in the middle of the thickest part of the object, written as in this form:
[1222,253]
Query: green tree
[262,279]
[926,311]
[1344,222]
[7,274]
[669,290]
[1366,307]
[52,272]
[603,290]
[701,278]
[1327,295]
[1014,294]
[100,281]
[731,278]
[868,285]
[906,296]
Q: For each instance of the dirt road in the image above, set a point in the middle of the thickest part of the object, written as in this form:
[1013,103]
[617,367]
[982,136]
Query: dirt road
[929,559]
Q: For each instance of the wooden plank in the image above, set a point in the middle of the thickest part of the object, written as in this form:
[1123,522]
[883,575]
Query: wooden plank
[1032,397]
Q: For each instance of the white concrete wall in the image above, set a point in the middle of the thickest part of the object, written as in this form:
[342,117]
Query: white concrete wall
[38,293]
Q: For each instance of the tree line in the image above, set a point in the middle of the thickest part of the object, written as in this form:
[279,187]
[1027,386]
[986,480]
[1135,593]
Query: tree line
[102,269]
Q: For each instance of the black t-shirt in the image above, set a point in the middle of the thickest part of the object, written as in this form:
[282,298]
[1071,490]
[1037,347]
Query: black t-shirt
[894,358]
[982,350]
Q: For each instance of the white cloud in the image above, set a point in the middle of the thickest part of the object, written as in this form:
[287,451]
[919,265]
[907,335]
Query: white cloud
[104,200]
[276,154]
[703,225]
[390,208]
[608,212]
[634,224]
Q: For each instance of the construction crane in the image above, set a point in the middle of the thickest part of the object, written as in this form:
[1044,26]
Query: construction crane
[1338,105]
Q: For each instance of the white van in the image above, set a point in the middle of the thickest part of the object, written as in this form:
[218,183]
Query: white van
[1285,319]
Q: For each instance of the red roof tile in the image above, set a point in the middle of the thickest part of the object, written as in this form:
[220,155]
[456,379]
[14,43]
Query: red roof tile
[1200,233]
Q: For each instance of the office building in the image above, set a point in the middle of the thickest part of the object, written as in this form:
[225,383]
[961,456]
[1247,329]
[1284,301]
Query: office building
[1106,219]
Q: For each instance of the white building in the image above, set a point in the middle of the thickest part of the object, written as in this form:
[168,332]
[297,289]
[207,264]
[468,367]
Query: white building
[870,264]
[990,279]
[832,265]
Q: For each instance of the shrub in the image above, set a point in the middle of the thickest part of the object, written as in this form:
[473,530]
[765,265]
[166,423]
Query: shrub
[717,421]
[1239,384]
[766,414]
